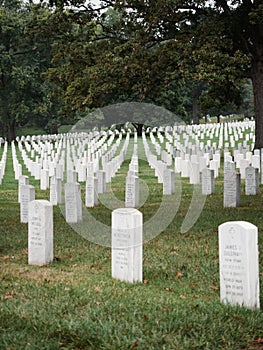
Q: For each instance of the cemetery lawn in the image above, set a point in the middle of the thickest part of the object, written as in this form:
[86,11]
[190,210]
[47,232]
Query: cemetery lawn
[73,303]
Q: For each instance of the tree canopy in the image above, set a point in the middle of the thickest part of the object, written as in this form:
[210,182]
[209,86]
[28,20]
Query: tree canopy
[181,55]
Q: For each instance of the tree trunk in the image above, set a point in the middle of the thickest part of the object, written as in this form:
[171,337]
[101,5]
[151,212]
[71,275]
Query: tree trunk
[11,131]
[257,80]
[195,110]
[138,128]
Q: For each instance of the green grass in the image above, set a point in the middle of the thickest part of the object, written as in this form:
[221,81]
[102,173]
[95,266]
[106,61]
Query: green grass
[73,303]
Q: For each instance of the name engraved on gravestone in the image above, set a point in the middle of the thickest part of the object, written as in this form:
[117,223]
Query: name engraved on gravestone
[122,239]
[132,192]
[238,260]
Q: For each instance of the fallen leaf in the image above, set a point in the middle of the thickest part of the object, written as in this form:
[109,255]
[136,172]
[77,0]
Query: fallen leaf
[5,257]
[168,289]
[182,296]
[178,274]
[214,287]
[193,284]
[259,340]
[145,281]
[135,344]
[9,295]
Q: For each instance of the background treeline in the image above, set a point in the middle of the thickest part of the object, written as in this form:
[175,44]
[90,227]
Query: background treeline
[61,60]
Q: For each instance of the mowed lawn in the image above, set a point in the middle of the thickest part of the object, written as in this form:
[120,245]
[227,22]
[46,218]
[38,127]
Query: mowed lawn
[74,303]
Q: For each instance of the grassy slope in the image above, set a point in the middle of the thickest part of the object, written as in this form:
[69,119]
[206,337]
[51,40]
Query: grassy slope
[74,303]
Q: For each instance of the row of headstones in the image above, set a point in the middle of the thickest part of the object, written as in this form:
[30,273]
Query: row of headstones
[164,175]
[132,189]
[167,174]
[3,161]
[190,167]
[94,185]
[231,181]
[224,135]
[73,204]
[238,251]
[187,168]
[45,166]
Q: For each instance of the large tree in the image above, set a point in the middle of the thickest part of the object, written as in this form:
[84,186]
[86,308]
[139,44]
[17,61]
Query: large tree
[219,42]
[101,62]
[23,93]
[145,48]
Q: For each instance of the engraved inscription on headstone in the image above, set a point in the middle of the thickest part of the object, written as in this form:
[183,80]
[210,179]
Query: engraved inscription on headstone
[40,232]
[238,261]
[127,241]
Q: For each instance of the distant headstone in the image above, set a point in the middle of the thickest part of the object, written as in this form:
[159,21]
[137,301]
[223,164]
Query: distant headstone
[231,189]
[27,194]
[168,181]
[55,194]
[73,202]
[44,179]
[71,176]
[101,176]
[132,192]
[251,182]
[194,173]
[243,164]
[91,194]
[40,232]
[238,263]
[208,181]
[23,180]
[127,244]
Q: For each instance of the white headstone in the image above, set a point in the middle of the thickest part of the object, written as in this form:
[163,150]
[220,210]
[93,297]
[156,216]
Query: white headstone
[44,179]
[40,232]
[208,181]
[194,173]
[132,192]
[23,180]
[73,205]
[71,176]
[168,181]
[127,244]
[91,194]
[27,194]
[251,182]
[238,261]
[55,194]
[101,176]
[231,189]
